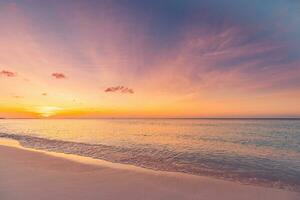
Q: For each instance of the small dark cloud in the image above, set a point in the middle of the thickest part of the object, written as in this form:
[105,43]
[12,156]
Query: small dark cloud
[59,75]
[120,89]
[8,73]
[44,94]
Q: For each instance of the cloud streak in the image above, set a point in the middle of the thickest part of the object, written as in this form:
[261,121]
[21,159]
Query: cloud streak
[18,97]
[120,89]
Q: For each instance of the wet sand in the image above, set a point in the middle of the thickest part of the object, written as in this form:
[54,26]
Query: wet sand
[34,175]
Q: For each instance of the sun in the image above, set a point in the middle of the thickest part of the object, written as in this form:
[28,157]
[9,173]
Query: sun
[47,111]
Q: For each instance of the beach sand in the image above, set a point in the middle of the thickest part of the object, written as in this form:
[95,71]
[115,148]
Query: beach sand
[34,175]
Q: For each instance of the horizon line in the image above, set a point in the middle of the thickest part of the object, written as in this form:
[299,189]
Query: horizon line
[188,118]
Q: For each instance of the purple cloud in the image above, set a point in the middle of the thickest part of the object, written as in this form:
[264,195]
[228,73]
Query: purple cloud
[120,89]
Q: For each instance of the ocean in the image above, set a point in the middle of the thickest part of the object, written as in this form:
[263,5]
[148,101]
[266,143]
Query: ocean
[251,151]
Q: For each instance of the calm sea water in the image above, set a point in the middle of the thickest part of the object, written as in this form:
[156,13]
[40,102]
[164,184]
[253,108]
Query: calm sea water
[250,151]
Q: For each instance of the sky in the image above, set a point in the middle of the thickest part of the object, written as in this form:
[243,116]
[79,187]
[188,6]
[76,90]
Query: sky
[152,58]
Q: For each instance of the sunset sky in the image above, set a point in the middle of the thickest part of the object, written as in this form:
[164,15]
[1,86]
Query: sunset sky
[153,58]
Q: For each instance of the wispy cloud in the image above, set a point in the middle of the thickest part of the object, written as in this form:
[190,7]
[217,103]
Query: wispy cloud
[8,73]
[59,75]
[17,97]
[120,89]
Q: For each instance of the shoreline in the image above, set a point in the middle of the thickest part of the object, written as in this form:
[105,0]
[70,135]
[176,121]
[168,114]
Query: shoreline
[34,174]
[57,148]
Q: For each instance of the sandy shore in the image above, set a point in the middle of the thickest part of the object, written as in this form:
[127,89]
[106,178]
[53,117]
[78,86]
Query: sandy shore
[34,175]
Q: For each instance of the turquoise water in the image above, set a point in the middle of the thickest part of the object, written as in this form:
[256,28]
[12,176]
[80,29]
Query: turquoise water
[265,152]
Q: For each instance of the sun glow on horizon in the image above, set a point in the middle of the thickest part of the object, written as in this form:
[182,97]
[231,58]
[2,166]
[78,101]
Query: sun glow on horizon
[48,111]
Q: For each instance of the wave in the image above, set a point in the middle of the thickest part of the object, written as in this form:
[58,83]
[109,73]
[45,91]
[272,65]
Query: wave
[228,168]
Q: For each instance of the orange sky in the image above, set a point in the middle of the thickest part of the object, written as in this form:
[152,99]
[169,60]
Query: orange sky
[115,60]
